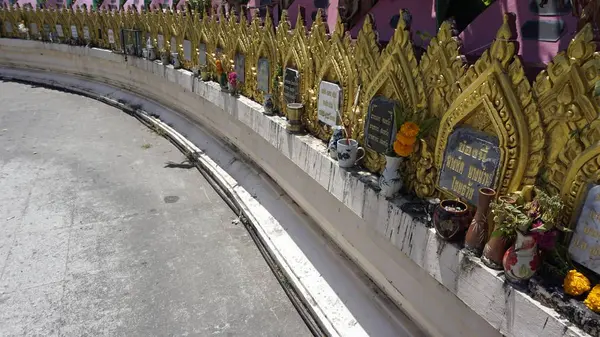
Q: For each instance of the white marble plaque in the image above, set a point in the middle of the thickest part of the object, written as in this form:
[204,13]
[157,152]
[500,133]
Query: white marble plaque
[160,40]
[34,28]
[59,31]
[86,33]
[585,243]
[187,50]
[111,36]
[74,33]
[173,45]
[328,105]
[8,27]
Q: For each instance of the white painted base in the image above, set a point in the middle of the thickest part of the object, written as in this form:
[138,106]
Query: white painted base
[447,293]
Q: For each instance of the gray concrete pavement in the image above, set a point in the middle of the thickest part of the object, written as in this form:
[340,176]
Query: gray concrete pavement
[98,238]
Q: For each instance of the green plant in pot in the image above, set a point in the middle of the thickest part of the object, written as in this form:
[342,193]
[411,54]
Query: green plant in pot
[537,227]
[507,218]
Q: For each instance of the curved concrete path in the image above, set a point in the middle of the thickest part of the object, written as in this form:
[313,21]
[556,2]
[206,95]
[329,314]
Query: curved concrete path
[99,238]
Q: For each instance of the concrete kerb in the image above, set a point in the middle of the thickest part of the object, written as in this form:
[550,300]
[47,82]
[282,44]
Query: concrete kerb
[279,249]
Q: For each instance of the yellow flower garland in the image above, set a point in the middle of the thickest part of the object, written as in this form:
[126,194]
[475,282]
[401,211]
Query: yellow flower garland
[593,299]
[576,283]
[405,139]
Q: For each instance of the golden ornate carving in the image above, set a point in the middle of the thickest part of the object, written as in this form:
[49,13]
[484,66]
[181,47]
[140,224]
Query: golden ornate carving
[581,157]
[266,48]
[496,98]
[297,56]
[442,66]
[335,60]
[491,95]
[569,111]
[393,74]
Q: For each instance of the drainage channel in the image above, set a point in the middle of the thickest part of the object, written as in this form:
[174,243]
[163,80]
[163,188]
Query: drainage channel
[307,315]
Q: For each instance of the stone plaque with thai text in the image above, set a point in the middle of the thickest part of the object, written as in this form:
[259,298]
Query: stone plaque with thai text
[34,28]
[59,31]
[202,54]
[471,161]
[585,243]
[160,41]
[240,67]
[263,74]
[328,105]
[74,33]
[111,36]
[187,50]
[8,27]
[173,45]
[86,33]
[380,127]
[291,81]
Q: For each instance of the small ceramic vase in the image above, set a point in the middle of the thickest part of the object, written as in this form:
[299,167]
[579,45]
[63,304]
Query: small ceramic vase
[175,60]
[268,104]
[521,260]
[477,234]
[450,219]
[336,134]
[390,181]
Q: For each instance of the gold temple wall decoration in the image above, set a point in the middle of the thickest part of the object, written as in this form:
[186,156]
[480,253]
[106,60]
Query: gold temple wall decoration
[570,117]
[548,132]
[283,40]
[393,74]
[337,64]
[241,44]
[496,98]
[266,47]
[298,56]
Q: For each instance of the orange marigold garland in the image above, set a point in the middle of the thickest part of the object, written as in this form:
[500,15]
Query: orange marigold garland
[576,283]
[405,139]
[410,129]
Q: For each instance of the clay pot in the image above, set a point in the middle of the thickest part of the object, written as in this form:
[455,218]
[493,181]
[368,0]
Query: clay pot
[522,260]
[450,219]
[477,234]
[494,250]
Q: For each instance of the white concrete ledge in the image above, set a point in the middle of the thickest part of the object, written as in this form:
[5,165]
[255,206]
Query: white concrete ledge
[447,293]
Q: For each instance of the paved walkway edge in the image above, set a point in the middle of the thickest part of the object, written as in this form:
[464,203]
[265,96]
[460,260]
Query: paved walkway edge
[329,318]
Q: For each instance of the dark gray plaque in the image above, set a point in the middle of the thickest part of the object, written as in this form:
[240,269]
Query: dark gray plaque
[380,127]
[290,85]
[173,45]
[240,66]
[263,74]
[471,161]
[202,54]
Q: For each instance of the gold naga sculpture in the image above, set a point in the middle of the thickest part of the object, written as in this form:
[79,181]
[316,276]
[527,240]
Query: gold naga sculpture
[548,130]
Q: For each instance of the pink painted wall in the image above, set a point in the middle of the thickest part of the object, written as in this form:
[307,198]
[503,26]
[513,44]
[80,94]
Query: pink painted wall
[293,12]
[137,4]
[422,11]
[156,4]
[483,29]
[109,5]
[22,3]
[79,3]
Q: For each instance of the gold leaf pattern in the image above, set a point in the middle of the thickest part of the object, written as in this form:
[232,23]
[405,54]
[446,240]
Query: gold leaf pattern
[492,95]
